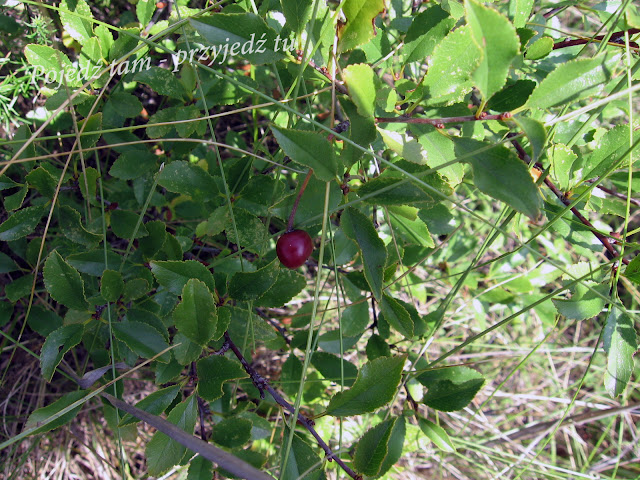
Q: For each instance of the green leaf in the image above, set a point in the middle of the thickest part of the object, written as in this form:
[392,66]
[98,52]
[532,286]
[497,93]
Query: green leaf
[88,179]
[361,82]
[288,284]
[297,13]
[41,415]
[93,262]
[252,235]
[573,81]
[185,350]
[377,347]
[632,272]
[143,339]
[562,160]
[63,282]
[499,173]
[437,435]
[355,319]
[19,288]
[498,42]
[155,403]
[124,224]
[362,131]
[621,345]
[232,432]
[195,316]
[584,302]
[359,27]
[535,132]
[512,96]
[213,371]
[610,149]
[520,11]
[58,342]
[240,34]
[21,223]
[43,181]
[112,285]
[71,225]
[310,149]
[188,179]
[301,459]
[539,49]
[290,375]
[163,452]
[251,285]
[374,387]
[53,64]
[329,366]
[7,264]
[133,164]
[380,447]
[404,145]
[200,469]
[427,30]
[451,388]
[174,274]
[144,11]
[396,315]
[360,229]
[78,28]
[162,81]
[448,79]
[152,244]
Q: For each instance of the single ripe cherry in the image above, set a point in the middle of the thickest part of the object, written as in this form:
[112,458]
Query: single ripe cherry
[293,248]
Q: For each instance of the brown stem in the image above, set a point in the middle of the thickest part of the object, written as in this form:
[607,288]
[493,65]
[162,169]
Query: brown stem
[437,122]
[561,196]
[325,72]
[262,384]
[614,38]
[295,205]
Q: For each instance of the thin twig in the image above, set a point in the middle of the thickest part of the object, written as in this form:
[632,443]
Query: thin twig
[262,384]
[340,87]
[562,197]
[615,38]
[440,122]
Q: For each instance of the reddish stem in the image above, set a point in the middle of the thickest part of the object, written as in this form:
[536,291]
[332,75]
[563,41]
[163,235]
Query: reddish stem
[295,205]
[441,121]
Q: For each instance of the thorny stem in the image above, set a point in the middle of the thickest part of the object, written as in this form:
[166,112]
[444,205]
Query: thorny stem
[295,205]
[562,197]
[262,384]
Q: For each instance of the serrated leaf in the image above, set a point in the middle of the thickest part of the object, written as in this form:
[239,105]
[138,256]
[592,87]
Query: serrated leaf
[163,452]
[562,159]
[426,31]
[232,432]
[53,64]
[200,469]
[58,342]
[155,403]
[133,164]
[498,42]
[361,82]
[380,447]
[195,316]
[404,145]
[41,415]
[396,315]
[247,30]
[539,49]
[329,366]
[297,13]
[251,285]
[355,319]
[610,149]
[374,387]
[188,179]
[161,81]
[499,173]
[124,224]
[43,181]
[71,225]
[360,229]
[437,435]
[359,27]
[78,28]
[63,282]
[301,459]
[309,149]
[535,132]
[451,388]
[21,223]
[144,11]
[288,284]
[448,79]
[142,339]
[573,81]
[621,345]
[213,371]
[93,262]
[290,375]
[584,303]
[175,274]
[111,285]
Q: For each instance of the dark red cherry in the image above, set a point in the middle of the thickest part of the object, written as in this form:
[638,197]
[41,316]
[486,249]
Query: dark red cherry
[293,248]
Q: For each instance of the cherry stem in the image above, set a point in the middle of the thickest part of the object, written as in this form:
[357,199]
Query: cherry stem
[295,205]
